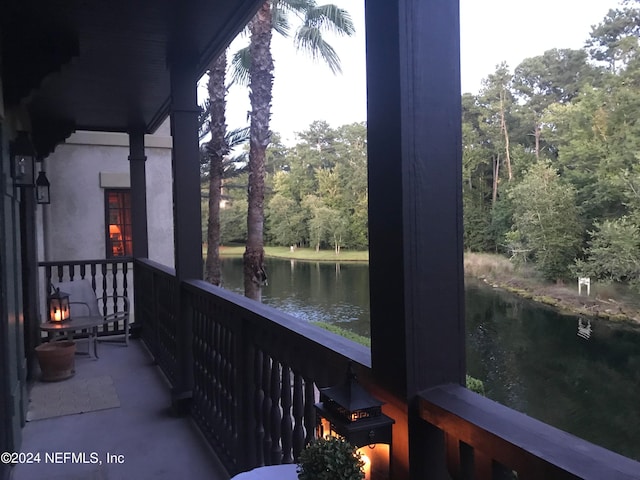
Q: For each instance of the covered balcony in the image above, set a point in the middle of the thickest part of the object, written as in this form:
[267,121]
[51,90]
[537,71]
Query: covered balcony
[246,374]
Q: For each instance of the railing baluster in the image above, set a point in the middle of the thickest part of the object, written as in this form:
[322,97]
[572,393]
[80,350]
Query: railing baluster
[259,399]
[229,398]
[47,276]
[309,411]
[93,276]
[298,415]
[286,425]
[275,418]
[114,270]
[217,371]
[266,406]
[104,288]
[125,280]
[244,403]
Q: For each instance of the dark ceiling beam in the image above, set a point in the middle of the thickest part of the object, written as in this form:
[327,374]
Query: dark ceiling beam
[103,64]
[243,12]
[35,50]
[180,40]
[48,134]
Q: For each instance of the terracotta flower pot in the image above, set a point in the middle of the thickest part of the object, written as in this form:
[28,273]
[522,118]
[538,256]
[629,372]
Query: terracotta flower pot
[57,360]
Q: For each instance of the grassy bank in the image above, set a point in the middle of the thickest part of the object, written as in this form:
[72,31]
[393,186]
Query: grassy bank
[301,254]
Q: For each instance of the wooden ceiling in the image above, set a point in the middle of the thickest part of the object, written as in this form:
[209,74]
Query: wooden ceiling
[103,64]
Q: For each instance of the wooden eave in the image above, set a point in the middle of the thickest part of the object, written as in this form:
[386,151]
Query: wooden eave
[103,64]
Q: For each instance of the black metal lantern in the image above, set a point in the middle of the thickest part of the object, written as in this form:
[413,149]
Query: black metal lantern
[23,160]
[42,189]
[349,411]
[59,309]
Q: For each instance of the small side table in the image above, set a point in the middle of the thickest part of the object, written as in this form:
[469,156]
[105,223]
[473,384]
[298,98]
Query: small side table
[274,472]
[66,329]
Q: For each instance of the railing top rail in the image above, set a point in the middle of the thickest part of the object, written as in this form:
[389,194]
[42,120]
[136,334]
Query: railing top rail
[453,407]
[304,331]
[156,266]
[61,263]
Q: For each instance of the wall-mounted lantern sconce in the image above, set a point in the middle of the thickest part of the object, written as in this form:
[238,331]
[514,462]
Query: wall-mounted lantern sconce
[59,309]
[23,160]
[43,196]
[348,411]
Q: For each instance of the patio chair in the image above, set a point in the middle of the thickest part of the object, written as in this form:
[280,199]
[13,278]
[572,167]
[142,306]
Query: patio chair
[84,302]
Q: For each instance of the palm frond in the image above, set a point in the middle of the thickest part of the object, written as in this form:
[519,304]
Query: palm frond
[239,68]
[297,7]
[237,136]
[330,18]
[204,119]
[280,21]
[309,40]
[236,164]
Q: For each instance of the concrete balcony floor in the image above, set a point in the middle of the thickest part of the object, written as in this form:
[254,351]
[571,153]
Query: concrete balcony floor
[153,443]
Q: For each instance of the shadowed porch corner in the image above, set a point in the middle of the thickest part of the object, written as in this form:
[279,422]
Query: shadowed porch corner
[154,442]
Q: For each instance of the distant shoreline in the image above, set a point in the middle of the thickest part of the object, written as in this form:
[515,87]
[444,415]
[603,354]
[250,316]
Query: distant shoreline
[494,270]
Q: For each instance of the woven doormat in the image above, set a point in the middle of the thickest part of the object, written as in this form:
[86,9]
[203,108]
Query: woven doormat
[71,397]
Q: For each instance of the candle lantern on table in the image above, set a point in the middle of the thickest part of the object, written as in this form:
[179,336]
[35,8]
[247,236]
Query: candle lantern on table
[349,411]
[59,309]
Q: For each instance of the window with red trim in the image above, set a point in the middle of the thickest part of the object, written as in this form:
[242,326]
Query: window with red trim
[118,223]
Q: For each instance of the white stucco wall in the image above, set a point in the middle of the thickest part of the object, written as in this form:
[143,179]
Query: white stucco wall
[74,222]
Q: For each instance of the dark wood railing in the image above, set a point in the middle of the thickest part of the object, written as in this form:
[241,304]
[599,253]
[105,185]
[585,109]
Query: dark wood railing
[156,310]
[108,277]
[486,440]
[256,372]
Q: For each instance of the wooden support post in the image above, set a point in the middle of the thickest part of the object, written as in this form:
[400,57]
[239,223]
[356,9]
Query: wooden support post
[30,278]
[415,207]
[185,158]
[137,172]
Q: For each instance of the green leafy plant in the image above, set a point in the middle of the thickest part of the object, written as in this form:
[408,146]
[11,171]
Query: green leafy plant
[475,385]
[330,458]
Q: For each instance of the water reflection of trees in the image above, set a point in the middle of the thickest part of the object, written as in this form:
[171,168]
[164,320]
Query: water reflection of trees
[589,388]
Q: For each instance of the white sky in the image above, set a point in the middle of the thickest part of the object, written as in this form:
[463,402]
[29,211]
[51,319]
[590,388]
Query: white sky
[491,31]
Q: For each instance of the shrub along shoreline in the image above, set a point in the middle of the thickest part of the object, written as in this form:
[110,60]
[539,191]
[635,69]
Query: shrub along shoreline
[604,302]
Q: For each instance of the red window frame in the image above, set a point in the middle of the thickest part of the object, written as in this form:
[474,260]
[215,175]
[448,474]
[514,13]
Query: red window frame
[119,240]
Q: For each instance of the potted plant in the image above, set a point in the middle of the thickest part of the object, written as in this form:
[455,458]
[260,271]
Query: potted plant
[330,458]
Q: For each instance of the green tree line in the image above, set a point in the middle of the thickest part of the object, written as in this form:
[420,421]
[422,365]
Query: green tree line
[550,157]
[316,191]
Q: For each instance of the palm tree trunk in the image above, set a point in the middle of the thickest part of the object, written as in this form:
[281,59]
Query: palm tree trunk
[260,86]
[216,149]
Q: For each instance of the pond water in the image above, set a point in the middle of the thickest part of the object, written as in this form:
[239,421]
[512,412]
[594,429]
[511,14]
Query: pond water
[581,375]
